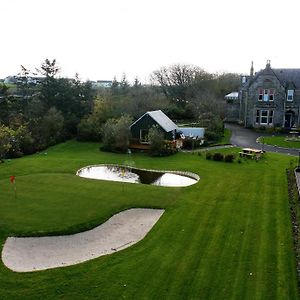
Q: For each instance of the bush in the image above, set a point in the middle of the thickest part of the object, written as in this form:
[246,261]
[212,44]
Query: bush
[218,156]
[115,135]
[229,157]
[212,137]
[208,155]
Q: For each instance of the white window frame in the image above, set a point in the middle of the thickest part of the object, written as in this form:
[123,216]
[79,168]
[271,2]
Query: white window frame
[269,116]
[290,93]
[265,95]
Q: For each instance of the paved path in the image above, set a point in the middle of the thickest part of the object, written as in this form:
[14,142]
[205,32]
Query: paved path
[243,137]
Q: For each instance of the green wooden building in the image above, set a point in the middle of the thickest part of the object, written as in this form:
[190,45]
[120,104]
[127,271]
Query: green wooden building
[140,129]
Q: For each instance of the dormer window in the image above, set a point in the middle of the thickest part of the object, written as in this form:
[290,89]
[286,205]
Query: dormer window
[290,95]
[266,95]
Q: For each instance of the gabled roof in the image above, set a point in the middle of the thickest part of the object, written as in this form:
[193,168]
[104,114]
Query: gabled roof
[285,76]
[160,118]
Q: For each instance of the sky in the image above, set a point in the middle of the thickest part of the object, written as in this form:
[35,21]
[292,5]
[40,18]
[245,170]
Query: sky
[101,39]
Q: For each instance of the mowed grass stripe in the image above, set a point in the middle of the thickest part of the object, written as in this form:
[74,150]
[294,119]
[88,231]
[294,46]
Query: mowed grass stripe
[227,253]
[286,262]
[179,256]
[194,247]
[215,253]
[246,252]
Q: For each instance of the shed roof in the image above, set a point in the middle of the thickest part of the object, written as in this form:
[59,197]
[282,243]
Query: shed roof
[193,132]
[161,119]
[232,95]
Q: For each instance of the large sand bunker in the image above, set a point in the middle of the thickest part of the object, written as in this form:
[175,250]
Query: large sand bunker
[119,232]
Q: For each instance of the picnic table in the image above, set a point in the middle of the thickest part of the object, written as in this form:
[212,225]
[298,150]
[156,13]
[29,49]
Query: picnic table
[252,153]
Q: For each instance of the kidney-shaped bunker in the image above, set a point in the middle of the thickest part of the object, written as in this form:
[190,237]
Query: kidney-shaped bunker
[134,175]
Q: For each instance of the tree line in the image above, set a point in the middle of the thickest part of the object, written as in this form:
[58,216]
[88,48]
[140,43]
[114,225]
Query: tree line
[36,116]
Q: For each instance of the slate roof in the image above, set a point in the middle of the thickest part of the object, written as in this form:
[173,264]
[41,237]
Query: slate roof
[287,76]
[161,119]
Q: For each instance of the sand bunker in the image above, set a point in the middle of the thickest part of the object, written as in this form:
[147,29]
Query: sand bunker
[40,253]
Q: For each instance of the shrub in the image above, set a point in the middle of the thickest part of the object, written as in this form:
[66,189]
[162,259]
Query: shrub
[208,155]
[229,157]
[115,135]
[218,156]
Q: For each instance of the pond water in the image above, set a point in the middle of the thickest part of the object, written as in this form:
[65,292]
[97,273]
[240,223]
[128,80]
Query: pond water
[134,175]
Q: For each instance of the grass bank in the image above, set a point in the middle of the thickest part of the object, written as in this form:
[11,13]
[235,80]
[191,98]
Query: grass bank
[227,237]
[280,141]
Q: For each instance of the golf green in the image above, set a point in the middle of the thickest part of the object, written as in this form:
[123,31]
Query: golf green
[227,237]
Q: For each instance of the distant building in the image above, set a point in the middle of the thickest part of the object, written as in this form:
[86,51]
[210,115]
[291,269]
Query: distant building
[171,132]
[268,98]
[101,84]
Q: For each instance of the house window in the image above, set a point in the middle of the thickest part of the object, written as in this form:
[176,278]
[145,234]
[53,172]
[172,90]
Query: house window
[144,136]
[257,116]
[260,94]
[290,95]
[271,95]
[266,95]
[264,117]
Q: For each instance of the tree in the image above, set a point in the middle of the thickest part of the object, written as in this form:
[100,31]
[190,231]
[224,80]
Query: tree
[49,69]
[156,140]
[6,136]
[115,86]
[176,80]
[116,134]
[136,83]
[210,117]
[124,84]
[51,128]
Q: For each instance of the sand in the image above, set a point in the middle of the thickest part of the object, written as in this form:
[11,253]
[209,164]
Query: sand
[40,253]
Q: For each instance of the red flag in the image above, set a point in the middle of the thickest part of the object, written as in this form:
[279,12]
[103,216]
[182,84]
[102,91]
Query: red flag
[12,179]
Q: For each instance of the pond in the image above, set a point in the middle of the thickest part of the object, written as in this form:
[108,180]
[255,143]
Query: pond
[134,175]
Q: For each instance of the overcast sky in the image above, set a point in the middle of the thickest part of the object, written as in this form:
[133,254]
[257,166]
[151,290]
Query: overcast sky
[102,39]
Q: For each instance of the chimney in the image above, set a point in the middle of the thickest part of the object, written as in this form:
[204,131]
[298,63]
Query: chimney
[268,64]
[251,69]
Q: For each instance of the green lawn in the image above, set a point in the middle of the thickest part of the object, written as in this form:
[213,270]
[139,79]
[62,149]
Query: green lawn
[225,140]
[227,237]
[280,141]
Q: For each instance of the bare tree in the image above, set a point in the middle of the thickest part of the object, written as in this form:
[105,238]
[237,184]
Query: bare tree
[176,80]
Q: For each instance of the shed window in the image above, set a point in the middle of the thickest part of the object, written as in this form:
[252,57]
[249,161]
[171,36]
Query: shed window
[144,136]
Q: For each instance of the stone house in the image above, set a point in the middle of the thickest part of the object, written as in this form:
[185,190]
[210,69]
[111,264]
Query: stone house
[268,98]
